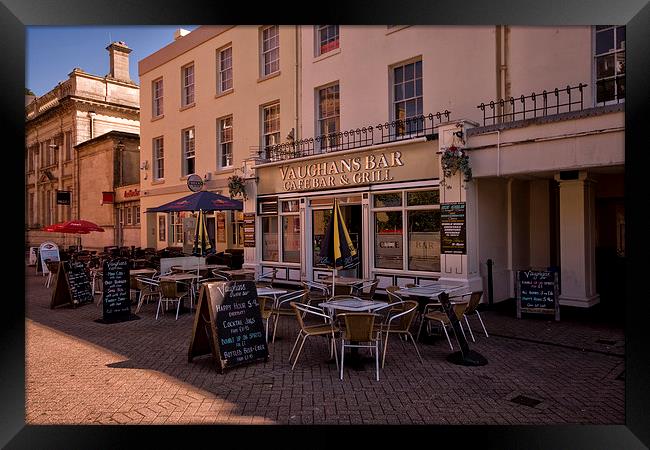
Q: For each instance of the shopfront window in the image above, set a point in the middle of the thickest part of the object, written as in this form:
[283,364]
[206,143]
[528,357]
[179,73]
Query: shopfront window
[320,220]
[420,216]
[291,238]
[270,238]
[388,240]
[237,228]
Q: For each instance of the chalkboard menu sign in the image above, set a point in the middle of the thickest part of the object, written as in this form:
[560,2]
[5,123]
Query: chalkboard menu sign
[72,285]
[228,324]
[452,228]
[249,229]
[537,292]
[116,301]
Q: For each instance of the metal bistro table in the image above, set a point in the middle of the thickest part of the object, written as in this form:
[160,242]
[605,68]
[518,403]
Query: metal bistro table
[352,304]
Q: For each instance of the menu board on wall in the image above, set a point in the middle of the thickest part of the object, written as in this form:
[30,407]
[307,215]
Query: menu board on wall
[228,324]
[537,292]
[249,229]
[453,228]
[221,226]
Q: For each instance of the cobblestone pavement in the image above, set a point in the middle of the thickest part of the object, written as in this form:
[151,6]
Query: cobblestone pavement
[79,371]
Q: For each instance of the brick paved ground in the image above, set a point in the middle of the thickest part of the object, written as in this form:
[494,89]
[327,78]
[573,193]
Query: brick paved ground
[82,372]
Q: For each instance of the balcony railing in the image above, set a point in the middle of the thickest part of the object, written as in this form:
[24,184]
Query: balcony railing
[397,130]
[544,104]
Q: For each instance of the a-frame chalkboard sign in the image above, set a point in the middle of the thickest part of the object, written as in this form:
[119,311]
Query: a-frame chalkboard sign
[228,324]
[116,292]
[71,286]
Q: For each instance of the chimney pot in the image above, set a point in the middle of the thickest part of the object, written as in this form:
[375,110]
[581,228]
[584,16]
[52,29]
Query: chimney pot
[118,53]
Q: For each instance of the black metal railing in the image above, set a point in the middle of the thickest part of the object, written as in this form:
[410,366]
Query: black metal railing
[534,105]
[396,130]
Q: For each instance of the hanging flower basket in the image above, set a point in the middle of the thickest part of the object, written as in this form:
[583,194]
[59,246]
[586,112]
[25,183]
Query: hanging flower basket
[453,160]
[236,186]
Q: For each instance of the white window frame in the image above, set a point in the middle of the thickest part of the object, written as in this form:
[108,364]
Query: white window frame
[268,133]
[158,158]
[264,63]
[329,39]
[222,143]
[393,83]
[188,149]
[329,144]
[187,85]
[176,228]
[162,228]
[157,96]
[137,215]
[224,74]
[129,215]
[595,57]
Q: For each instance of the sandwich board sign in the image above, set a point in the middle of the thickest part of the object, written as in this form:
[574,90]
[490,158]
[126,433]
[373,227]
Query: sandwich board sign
[72,285]
[48,250]
[228,324]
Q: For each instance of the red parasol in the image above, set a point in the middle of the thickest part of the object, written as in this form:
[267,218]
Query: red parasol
[74,226]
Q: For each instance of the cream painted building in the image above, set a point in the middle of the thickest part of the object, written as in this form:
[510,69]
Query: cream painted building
[210,99]
[79,109]
[366,115]
[547,190]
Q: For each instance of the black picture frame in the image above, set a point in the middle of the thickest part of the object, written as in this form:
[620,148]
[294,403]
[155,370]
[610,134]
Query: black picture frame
[15,15]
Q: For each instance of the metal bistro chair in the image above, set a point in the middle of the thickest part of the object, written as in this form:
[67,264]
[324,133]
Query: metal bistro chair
[263,280]
[472,309]
[316,292]
[359,328]
[149,287]
[399,322]
[433,314]
[170,292]
[282,307]
[221,276]
[327,329]
[266,311]
[365,290]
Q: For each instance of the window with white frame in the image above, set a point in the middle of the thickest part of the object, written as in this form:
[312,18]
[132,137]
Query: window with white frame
[176,228]
[329,115]
[158,158]
[271,125]
[187,96]
[188,151]
[224,68]
[280,230]
[237,228]
[120,215]
[270,50]
[129,216]
[137,214]
[407,97]
[157,96]
[417,213]
[609,61]
[327,38]
[224,143]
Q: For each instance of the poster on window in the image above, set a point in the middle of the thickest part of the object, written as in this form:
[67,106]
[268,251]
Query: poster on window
[221,226]
[452,227]
[249,229]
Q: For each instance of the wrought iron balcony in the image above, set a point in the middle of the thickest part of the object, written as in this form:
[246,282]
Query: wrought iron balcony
[397,130]
[547,103]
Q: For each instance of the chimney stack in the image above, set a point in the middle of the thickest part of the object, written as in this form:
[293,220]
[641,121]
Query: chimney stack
[119,61]
[180,33]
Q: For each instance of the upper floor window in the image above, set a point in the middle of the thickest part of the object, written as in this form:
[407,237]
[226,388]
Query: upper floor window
[270,50]
[327,38]
[610,63]
[407,97]
[224,143]
[188,151]
[271,125]
[225,70]
[157,95]
[329,115]
[158,158]
[188,85]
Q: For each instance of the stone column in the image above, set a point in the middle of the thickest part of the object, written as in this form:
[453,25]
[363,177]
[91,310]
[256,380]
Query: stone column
[251,254]
[577,241]
[459,268]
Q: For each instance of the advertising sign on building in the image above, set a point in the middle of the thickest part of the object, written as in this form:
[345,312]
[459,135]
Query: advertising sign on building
[63,197]
[194,183]
[452,228]
[249,229]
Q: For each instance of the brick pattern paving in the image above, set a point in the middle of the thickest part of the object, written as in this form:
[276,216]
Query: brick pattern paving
[82,372]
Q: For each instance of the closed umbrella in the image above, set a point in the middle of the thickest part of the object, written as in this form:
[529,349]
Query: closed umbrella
[337,251]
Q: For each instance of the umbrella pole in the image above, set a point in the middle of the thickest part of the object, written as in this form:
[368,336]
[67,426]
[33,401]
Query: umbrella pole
[333,281]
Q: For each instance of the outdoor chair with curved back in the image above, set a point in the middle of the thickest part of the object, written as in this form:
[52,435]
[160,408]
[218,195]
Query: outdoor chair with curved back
[316,292]
[266,311]
[327,329]
[365,290]
[432,313]
[171,291]
[283,308]
[358,331]
[472,309]
[149,288]
[267,278]
[222,276]
[399,322]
